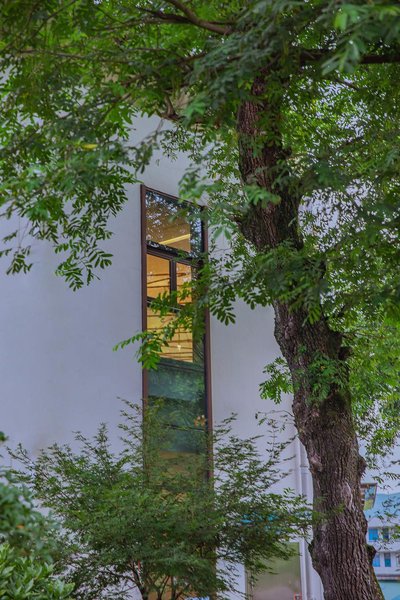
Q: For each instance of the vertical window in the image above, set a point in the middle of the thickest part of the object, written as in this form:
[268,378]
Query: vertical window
[377,560]
[173,239]
[398,560]
[385,534]
[373,534]
[387,559]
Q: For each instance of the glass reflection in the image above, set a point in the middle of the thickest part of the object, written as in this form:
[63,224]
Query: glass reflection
[172,242]
[158,276]
[183,281]
[180,347]
[169,227]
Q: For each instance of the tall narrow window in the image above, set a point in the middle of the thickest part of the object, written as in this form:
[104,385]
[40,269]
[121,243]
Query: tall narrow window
[171,248]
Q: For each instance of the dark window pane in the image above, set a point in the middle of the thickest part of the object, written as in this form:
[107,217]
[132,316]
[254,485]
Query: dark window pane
[181,388]
[175,381]
[387,559]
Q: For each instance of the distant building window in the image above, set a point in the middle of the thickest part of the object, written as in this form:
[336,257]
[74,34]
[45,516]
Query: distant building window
[377,560]
[373,534]
[388,559]
[398,560]
[385,534]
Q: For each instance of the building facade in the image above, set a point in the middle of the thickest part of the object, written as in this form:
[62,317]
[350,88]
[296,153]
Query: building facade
[59,374]
[384,534]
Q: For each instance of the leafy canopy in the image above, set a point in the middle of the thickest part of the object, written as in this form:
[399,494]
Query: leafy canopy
[78,74]
[27,546]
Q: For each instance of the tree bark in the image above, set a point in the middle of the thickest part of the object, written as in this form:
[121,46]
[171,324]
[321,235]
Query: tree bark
[325,426]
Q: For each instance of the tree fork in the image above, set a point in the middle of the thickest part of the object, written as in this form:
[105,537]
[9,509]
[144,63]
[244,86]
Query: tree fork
[339,550]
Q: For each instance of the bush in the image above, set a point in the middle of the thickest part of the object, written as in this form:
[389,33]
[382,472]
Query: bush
[25,578]
[28,545]
[155,520]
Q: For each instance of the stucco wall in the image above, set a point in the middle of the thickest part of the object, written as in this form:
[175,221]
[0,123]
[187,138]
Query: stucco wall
[58,373]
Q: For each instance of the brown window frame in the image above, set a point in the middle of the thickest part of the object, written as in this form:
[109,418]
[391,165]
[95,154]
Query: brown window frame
[168,254]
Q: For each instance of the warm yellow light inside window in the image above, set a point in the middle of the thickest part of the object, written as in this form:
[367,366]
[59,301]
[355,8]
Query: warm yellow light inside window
[183,280]
[180,347]
[158,277]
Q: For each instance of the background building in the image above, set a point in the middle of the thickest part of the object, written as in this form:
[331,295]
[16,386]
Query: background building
[384,534]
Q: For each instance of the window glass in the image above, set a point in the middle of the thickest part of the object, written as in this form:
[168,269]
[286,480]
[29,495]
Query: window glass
[183,280]
[387,559]
[158,276]
[180,347]
[166,226]
[281,579]
[182,389]
[377,560]
[172,242]
[373,534]
[385,533]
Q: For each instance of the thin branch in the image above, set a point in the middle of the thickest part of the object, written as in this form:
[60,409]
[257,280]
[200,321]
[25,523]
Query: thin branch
[380,59]
[346,83]
[164,17]
[170,114]
[148,21]
[309,56]
[88,57]
[189,18]
[211,26]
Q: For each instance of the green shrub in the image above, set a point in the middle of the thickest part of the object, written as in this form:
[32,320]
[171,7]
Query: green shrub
[27,578]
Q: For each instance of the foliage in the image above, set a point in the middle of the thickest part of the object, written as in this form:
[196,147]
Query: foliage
[25,529]
[376,383]
[324,150]
[158,521]
[278,381]
[24,578]
[69,144]
[28,547]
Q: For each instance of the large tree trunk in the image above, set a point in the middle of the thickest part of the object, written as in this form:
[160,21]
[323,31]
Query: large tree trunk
[325,425]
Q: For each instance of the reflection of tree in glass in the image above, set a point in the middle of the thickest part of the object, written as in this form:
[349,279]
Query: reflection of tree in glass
[172,224]
[173,233]
[181,387]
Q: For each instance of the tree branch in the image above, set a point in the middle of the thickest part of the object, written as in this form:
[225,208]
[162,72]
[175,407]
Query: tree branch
[380,59]
[190,18]
[309,56]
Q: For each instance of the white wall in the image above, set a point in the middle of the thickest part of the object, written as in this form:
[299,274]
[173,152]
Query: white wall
[58,373]
[239,352]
